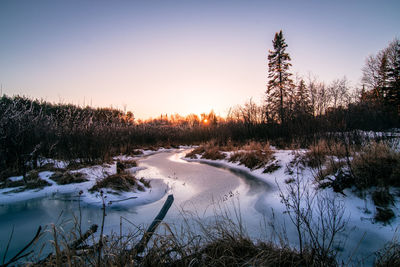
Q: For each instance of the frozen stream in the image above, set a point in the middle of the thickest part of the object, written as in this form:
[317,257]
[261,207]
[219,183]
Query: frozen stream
[195,187]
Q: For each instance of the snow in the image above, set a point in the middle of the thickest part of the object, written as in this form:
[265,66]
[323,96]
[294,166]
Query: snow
[361,226]
[359,212]
[112,197]
[15,178]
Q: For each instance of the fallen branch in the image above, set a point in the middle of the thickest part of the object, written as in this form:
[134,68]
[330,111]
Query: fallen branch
[78,242]
[157,220]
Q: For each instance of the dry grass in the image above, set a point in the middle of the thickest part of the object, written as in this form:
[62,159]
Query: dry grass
[62,178]
[8,183]
[272,167]
[216,247]
[382,197]
[377,164]
[226,250]
[331,168]
[389,255]
[125,164]
[209,150]
[256,146]
[33,181]
[383,214]
[197,151]
[136,152]
[213,153]
[253,155]
[145,182]
[120,182]
[252,159]
[317,153]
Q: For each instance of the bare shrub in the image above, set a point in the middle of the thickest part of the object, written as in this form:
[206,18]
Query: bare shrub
[317,217]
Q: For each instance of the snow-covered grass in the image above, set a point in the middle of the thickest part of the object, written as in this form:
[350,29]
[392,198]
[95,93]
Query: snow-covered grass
[92,174]
[359,208]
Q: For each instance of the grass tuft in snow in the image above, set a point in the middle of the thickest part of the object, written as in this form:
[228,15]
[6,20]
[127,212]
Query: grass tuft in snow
[124,182]
[62,178]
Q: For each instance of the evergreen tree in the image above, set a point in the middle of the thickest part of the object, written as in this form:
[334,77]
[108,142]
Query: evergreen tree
[302,100]
[280,85]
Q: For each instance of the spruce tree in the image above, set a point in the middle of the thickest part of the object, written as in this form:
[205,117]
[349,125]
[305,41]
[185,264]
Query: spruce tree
[280,84]
[302,100]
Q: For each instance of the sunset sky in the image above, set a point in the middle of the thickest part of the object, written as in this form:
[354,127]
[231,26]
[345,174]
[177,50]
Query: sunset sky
[184,57]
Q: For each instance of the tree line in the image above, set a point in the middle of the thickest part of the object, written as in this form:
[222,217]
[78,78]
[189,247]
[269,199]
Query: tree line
[294,109]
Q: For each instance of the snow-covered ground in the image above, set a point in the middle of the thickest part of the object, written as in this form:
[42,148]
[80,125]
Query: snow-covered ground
[358,212]
[92,174]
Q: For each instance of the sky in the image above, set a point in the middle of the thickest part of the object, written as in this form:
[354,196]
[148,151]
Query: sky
[166,57]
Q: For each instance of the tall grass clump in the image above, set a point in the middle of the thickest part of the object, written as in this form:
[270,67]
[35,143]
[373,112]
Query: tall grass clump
[124,181]
[377,164]
[389,255]
[317,153]
[210,150]
[253,155]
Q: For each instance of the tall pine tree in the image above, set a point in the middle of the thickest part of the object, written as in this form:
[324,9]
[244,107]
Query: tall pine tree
[280,84]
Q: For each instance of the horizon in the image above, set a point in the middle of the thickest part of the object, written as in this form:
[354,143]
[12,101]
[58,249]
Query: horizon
[180,57]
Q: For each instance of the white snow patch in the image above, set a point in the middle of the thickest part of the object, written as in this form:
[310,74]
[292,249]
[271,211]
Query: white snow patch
[92,173]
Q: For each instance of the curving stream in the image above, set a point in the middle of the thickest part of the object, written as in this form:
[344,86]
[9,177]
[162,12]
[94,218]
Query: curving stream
[199,189]
[195,188]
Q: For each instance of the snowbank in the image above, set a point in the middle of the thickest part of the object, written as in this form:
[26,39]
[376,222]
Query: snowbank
[93,173]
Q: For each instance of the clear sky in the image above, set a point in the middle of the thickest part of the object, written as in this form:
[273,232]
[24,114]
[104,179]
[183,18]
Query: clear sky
[184,57]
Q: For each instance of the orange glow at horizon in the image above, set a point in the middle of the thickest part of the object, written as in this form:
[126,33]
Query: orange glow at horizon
[205,121]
